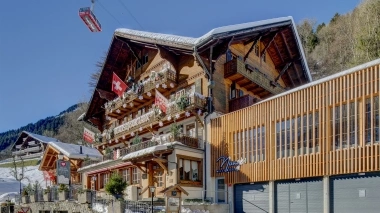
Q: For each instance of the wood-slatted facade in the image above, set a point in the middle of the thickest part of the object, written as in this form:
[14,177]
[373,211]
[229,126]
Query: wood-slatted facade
[327,127]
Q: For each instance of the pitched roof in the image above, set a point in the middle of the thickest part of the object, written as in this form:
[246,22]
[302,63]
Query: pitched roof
[73,151]
[41,138]
[171,188]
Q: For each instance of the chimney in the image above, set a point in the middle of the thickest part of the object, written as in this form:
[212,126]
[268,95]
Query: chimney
[80,150]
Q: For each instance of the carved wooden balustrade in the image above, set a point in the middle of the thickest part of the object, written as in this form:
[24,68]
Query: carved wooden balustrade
[165,77]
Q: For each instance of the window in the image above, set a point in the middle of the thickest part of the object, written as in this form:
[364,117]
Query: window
[159,174]
[144,60]
[303,129]
[264,56]
[189,170]
[136,176]
[190,130]
[344,121]
[257,50]
[233,91]
[127,175]
[372,126]
[228,55]
[105,179]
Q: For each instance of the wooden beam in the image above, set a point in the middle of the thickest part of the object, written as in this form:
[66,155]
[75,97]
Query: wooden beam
[251,48]
[266,47]
[282,71]
[139,166]
[199,119]
[157,160]
[278,51]
[131,49]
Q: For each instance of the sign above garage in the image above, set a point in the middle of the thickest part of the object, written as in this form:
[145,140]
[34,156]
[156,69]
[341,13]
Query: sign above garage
[227,165]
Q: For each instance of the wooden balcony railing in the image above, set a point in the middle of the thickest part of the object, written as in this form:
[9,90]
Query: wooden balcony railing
[237,66]
[167,76]
[194,100]
[241,102]
[161,139]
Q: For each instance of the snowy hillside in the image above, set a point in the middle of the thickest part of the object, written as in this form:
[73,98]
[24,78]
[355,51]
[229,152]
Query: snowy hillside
[9,186]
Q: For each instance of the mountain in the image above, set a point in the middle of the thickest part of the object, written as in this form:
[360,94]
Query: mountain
[49,125]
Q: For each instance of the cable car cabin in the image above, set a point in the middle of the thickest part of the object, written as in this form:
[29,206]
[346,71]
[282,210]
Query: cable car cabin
[90,19]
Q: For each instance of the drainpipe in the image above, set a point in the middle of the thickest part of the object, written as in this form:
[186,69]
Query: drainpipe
[209,104]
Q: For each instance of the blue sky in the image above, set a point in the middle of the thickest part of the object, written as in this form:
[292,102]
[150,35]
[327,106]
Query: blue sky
[47,54]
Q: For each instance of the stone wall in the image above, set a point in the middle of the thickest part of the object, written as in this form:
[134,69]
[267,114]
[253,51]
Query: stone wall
[70,207]
[213,208]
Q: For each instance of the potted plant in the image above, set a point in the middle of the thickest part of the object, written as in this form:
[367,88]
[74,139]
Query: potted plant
[136,140]
[182,102]
[175,131]
[116,185]
[63,192]
[25,194]
[84,195]
[47,194]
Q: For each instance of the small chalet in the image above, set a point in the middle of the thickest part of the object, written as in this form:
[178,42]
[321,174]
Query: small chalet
[30,145]
[75,154]
[162,145]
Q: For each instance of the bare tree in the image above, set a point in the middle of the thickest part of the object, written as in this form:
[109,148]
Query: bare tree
[94,77]
[18,171]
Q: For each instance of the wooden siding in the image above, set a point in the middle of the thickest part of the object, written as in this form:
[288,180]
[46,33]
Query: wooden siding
[319,137]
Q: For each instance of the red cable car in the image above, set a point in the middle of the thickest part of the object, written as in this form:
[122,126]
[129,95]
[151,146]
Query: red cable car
[90,19]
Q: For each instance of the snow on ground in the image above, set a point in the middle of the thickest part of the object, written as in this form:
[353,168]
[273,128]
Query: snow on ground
[10,186]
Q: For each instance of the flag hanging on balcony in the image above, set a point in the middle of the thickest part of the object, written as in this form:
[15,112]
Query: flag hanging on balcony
[118,86]
[161,101]
[88,135]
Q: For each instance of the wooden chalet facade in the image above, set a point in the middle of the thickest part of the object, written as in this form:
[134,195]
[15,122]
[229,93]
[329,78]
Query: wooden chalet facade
[315,148]
[72,153]
[225,70]
[29,145]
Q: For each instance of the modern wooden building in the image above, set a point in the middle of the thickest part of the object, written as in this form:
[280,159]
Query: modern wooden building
[315,148]
[225,70]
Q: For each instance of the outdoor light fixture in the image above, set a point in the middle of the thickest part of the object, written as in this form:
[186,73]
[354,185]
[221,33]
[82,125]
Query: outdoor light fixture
[152,189]
[60,156]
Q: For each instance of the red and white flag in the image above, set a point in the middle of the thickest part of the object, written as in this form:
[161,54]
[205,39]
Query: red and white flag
[88,135]
[161,101]
[118,86]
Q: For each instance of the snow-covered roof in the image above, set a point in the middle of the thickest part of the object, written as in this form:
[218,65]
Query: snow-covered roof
[192,42]
[73,151]
[149,150]
[156,37]
[328,78]
[41,138]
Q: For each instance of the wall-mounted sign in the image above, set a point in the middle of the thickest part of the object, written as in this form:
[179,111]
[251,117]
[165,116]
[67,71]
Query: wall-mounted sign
[226,165]
[63,172]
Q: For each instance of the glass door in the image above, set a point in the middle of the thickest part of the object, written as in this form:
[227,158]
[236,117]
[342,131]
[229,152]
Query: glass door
[221,191]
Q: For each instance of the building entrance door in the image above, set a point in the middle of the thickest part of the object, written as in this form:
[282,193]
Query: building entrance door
[221,191]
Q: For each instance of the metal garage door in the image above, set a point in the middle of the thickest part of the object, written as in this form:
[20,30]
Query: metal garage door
[299,196]
[354,193]
[251,198]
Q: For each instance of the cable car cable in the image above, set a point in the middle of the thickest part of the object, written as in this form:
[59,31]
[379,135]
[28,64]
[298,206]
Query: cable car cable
[110,13]
[131,14]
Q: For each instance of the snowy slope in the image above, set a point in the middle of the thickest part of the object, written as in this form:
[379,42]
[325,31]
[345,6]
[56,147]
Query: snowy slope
[8,184]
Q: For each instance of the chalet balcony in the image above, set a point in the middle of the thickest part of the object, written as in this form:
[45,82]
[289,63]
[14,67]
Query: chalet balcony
[193,101]
[251,78]
[241,102]
[158,140]
[164,80]
[27,150]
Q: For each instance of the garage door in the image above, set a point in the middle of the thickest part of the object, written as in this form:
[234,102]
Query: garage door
[299,196]
[251,198]
[355,193]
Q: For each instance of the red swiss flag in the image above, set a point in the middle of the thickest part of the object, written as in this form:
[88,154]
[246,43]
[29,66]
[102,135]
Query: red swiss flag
[118,86]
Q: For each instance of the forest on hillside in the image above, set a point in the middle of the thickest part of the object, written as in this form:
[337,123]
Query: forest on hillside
[48,126]
[346,41]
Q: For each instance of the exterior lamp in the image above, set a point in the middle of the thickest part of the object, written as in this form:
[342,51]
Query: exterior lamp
[60,156]
[152,189]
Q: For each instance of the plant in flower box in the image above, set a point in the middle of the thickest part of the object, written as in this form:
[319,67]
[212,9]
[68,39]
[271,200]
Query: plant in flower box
[63,192]
[84,195]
